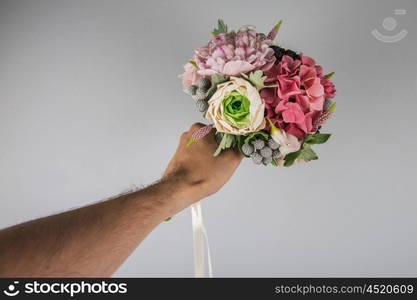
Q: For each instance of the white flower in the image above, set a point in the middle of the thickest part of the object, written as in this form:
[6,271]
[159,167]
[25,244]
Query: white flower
[288,143]
[250,115]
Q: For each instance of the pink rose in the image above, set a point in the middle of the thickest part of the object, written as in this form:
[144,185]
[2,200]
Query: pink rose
[190,76]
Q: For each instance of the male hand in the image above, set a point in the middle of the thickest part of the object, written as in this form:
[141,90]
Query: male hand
[196,166]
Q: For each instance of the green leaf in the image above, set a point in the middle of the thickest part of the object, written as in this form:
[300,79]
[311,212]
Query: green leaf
[330,75]
[257,78]
[305,153]
[168,219]
[210,93]
[317,138]
[240,142]
[219,148]
[191,62]
[278,25]
[222,28]
[332,107]
[228,141]
[308,154]
[217,79]
[274,163]
[291,157]
[273,33]
[252,135]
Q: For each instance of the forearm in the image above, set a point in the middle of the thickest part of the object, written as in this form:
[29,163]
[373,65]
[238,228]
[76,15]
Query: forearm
[94,241]
[90,241]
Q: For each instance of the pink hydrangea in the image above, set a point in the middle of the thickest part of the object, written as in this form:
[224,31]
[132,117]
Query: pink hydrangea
[297,102]
[287,66]
[309,64]
[234,53]
[288,86]
[329,88]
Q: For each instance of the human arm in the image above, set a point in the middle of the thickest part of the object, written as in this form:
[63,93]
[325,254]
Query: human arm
[93,241]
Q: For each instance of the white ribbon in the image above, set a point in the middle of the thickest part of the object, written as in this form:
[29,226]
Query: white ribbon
[200,243]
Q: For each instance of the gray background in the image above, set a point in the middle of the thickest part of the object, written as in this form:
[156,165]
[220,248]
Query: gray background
[90,105]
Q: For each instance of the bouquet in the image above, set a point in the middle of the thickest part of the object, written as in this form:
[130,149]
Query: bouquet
[267,101]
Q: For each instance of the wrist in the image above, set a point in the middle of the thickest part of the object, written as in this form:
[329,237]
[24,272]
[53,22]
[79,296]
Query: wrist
[165,198]
[182,192]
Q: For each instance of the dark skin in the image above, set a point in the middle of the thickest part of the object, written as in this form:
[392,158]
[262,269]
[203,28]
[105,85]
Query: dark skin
[93,241]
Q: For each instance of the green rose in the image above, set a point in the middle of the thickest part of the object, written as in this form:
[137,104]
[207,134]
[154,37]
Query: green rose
[236,109]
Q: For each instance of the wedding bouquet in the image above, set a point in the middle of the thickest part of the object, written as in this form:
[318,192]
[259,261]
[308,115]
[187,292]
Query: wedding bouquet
[267,101]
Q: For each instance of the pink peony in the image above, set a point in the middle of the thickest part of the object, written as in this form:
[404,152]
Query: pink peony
[234,53]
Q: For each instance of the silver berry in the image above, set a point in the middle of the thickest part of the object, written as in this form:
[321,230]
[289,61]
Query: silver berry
[200,94]
[192,89]
[247,149]
[202,105]
[275,154]
[266,152]
[204,83]
[258,144]
[272,144]
[256,158]
[267,160]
